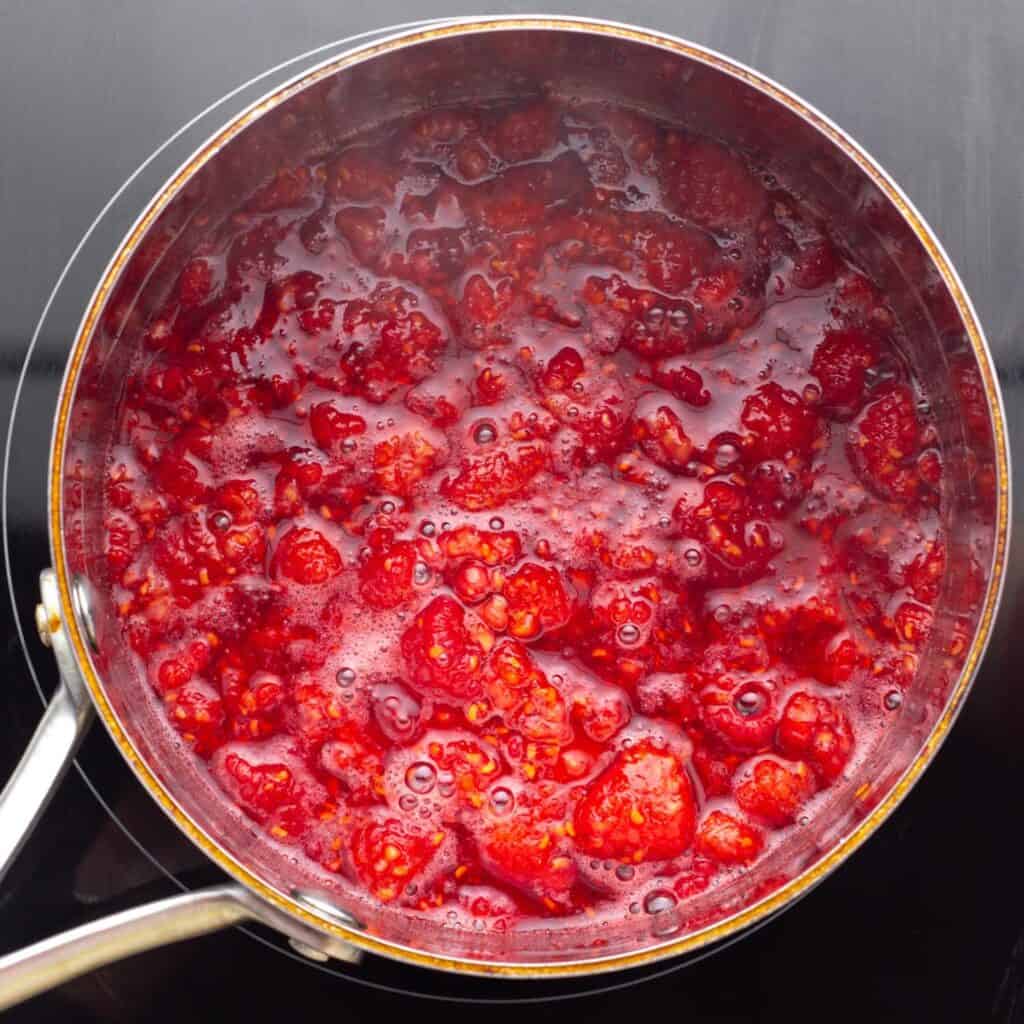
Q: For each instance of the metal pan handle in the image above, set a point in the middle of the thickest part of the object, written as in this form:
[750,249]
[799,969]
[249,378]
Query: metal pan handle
[40,769]
[53,961]
[54,742]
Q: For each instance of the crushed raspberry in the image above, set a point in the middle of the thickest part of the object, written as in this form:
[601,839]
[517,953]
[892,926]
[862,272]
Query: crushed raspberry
[525,510]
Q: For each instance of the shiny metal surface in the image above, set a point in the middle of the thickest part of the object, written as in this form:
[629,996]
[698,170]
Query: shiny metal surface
[974,333]
[54,961]
[49,752]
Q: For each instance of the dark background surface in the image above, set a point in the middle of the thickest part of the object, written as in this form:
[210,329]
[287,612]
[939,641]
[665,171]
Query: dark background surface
[927,921]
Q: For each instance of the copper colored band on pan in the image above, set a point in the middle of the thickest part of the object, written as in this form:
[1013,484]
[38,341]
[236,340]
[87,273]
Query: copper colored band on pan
[797,886]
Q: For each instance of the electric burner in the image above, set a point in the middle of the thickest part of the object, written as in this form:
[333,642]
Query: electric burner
[923,923]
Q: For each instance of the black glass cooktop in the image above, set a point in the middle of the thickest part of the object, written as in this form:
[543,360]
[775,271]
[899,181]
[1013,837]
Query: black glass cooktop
[925,923]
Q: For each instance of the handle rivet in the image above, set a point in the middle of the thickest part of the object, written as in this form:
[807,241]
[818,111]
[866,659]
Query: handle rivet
[308,951]
[43,625]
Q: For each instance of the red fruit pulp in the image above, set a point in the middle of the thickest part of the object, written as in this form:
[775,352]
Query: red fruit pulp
[514,514]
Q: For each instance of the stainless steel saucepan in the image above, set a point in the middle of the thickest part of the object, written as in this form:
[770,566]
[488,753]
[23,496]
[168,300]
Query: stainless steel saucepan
[477,61]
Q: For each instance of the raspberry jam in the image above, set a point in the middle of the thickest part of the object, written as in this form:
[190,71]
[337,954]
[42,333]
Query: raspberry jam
[526,512]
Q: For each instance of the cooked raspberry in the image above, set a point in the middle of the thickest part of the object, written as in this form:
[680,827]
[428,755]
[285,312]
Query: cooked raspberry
[401,462]
[713,188]
[884,440]
[491,386]
[473,582]
[363,228]
[525,134]
[492,547]
[727,300]
[913,623]
[198,714]
[682,381]
[255,701]
[331,426]
[776,791]
[674,256]
[195,284]
[472,159]
[652,325]
[640,808]
[354,758]
[841,362]
[727,527]
[179,478]
[288,188]
[123,542]
[262,788]
[727,840]
[542,717]
[388,854]
[535,709]
[496,477]
[386,576]
[779,422]
[563,369]
[924,574]
[663,439]
[740,713]
[530,853]
[441,399]
[511,673]
[387,343]
[815,265]
[442,656]
[601,713]
[537,600]
[361,175]
[306,556]
[473,766]
[670,694]
[316,714]
[715,772]
[815,730]
[623,612]
[434,256]
[482,311]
